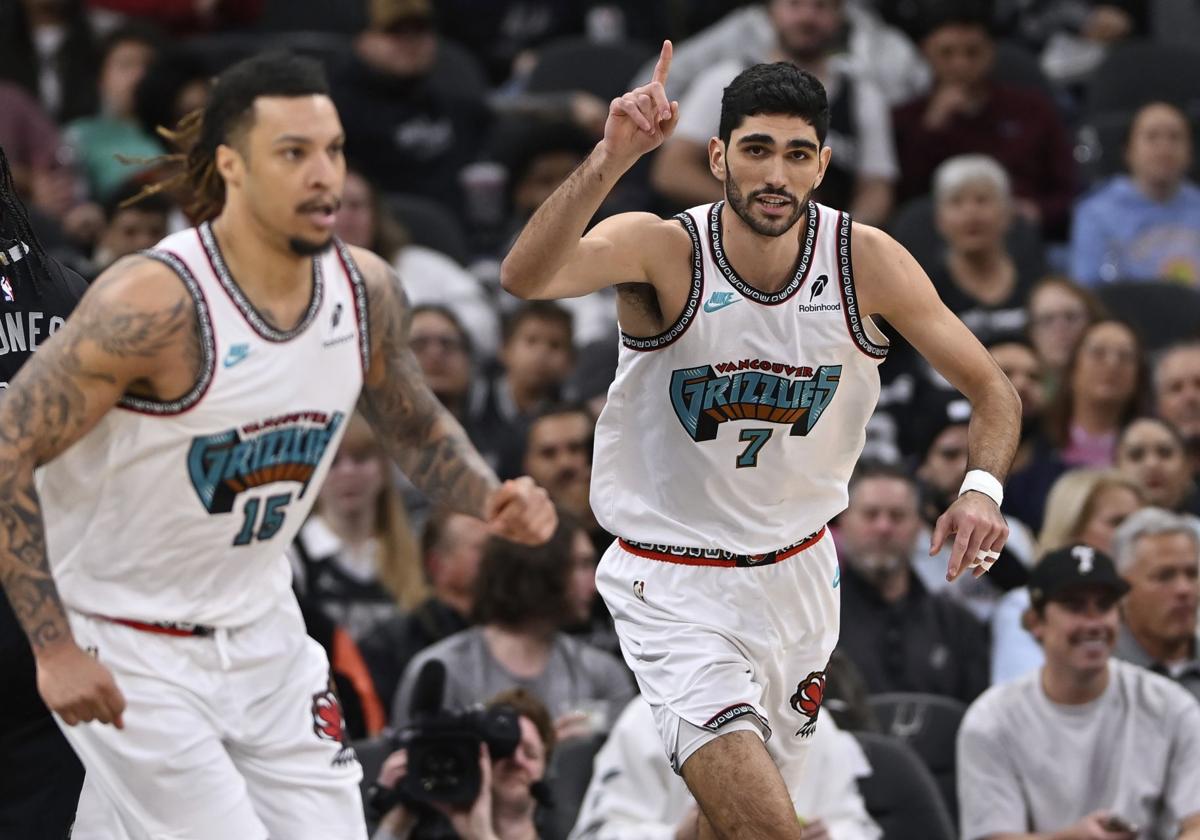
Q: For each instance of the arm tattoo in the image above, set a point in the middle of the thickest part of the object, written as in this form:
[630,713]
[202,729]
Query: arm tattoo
[44,411]
[418,432]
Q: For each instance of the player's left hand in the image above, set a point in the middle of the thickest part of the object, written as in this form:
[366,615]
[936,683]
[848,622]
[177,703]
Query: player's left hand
[521,511]
[978,527]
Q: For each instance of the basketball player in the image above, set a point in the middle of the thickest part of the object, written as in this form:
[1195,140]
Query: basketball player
[186,416]
[748,370]
[39,775]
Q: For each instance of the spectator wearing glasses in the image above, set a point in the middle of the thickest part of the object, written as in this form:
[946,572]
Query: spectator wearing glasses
[1059,312]
[443,349]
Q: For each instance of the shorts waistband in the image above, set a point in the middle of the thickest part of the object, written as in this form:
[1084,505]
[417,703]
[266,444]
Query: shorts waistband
[166,628]
[715,556]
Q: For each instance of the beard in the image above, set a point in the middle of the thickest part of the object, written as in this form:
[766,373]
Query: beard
[763,227]
[876,564]
[302,247]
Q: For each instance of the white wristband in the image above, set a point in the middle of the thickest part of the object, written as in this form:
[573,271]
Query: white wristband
[983,482]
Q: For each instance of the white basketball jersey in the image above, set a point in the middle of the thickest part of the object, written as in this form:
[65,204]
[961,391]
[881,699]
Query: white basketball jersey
[737,428]
[181,511]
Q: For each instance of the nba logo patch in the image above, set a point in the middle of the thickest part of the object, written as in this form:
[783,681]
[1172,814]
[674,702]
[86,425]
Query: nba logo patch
[7,289]
[639,589]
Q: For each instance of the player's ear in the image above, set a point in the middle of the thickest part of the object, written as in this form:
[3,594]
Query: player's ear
[716,158]
[230,164]
[824,155]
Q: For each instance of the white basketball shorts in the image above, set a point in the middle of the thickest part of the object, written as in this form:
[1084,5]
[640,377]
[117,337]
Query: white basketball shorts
[233,735]
[718,643]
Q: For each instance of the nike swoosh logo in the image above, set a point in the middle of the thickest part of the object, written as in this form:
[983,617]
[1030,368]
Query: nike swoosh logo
[710,306]
[232,360]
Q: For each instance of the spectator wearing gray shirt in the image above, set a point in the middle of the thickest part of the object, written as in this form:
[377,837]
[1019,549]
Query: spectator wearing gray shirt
[1158,553]
[523,597]
[1088,747]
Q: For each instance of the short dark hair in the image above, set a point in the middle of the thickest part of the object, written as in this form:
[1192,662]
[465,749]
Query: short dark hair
[528,705]
[779,88]
[869,468]
[537,310]
[1177,107]
[938,15]
[126,197]
[519,582]
[447,313]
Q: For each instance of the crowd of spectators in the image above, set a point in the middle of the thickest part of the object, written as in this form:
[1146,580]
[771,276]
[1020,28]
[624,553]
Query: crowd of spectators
[1062,228]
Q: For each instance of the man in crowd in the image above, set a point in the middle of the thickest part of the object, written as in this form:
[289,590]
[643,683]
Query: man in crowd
[1087,747]
[1177,393]
[1158,554]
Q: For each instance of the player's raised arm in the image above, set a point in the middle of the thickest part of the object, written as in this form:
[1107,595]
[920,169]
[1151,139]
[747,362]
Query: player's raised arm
[422,436]
[891,283]
[116,337]
[552,258]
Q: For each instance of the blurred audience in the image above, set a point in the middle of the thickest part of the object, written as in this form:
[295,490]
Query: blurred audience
[1177,394]
[969,111]
[536,356]
[900,636]
[1084,506]
[47,47]
[444,351]
[129,228]
[111,146]
[188,17]
[356,556]
[1144,225]
[807,33]
[558,456]
[452,547]
[1071,37]
[1059,312]
[635,795]
[1130,737]
[1158,554]
[523,596]
[1016,357]
[1152,453]
[976,277]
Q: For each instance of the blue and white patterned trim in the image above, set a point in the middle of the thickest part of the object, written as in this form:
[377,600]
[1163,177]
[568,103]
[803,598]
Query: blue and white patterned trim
[854,320]
[657,342]
[359,290]
[208,353]
[767,298]
[244,305]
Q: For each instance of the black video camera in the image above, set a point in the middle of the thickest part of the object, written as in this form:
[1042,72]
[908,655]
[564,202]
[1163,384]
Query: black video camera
[443,747]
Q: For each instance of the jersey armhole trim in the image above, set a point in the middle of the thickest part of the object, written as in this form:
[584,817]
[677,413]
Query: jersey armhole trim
[358,290]
[855,322]
[208,353]
[690,308]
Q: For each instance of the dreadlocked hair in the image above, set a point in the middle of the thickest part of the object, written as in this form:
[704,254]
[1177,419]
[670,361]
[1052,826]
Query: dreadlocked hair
[16,232]
[228,113]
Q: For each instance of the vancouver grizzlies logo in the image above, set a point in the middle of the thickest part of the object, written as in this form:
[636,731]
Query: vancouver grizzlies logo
[286,448]
[752,389]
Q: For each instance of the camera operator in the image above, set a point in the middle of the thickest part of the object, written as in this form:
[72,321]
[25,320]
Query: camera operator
[508,799]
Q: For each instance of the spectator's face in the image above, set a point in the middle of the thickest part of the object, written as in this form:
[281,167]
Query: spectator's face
[1078,630]
[123,68]
[1161,605]
[879,529]
[1106,371]
[1177,389]
[357,475]
[538,355]
[288,170]
[807,29]
[442,353]
[1057,320]
[1160,146]
[455,562]
[1024,371]
[959,55]
[581,580]
[945,466]
[770,168]
[356,218]
[407,49]
[192,96]
[543,176]
[974,218]
[1150,455]
[558,452]
[513,776]
[132,230]
[1110,509]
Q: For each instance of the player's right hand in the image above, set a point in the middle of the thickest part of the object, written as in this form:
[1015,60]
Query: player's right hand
[642,119]
[77,688]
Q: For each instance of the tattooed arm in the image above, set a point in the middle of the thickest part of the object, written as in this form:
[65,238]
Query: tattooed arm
[422,436]
[133,317]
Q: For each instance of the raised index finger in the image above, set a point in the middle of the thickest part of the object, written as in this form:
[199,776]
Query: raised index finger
[664,64]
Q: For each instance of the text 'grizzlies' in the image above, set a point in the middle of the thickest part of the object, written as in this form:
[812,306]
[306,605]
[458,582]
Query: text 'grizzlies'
[703,400]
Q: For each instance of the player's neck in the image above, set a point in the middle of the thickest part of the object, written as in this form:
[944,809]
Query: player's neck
[1073,688]
[255,259]
[766,262]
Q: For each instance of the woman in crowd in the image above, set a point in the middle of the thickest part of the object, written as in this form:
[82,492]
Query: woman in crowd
[1084,506]
[1058,313]
[1151,453]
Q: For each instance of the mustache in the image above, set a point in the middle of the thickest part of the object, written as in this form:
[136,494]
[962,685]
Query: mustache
[326,203]
[778,193]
